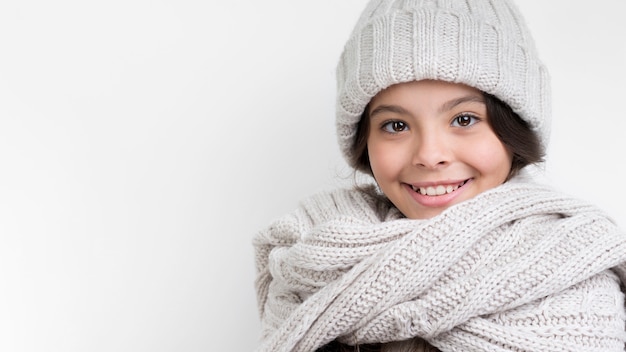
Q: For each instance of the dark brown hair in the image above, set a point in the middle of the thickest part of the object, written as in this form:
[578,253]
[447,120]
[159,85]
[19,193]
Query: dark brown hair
[514,132]
[412,345]
[335,346]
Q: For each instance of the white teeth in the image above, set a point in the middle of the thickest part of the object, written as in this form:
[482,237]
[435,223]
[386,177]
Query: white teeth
[437,191]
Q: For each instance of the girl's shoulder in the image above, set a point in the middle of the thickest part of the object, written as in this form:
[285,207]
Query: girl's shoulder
[363,203]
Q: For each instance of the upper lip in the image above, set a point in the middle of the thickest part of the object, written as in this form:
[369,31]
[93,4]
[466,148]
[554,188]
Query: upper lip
[437,183]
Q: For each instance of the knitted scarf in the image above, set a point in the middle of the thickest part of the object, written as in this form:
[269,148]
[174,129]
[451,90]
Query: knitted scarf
[520,267]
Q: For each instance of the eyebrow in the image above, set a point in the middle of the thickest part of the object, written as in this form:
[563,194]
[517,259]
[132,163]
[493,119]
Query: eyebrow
[466,99]
[388,108]
[447,106]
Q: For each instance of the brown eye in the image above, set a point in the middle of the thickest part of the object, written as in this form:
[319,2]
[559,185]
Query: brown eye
[398,126]
[394,126]
[464,120]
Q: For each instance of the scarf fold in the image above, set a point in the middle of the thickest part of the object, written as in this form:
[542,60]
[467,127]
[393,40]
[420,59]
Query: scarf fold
[518,268]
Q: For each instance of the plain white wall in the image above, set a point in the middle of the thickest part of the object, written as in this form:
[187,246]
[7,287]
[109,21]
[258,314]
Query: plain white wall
[143,143]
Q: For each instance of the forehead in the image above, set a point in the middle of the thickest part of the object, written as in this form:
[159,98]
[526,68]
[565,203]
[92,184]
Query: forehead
[426,88]
[427,94]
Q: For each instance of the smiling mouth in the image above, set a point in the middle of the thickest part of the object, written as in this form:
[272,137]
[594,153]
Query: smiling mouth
[439,190]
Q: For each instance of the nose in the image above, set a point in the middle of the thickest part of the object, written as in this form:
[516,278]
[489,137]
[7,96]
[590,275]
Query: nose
[431,151]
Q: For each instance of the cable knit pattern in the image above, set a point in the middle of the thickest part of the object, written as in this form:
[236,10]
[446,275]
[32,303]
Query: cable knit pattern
[518,268]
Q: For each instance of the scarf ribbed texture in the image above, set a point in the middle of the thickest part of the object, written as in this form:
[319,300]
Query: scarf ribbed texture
[518,268]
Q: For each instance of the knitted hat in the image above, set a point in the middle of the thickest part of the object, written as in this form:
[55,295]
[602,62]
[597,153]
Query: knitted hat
[484,44]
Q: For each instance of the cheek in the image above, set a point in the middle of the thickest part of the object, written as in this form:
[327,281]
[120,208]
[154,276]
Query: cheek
[385,159]
[492,158]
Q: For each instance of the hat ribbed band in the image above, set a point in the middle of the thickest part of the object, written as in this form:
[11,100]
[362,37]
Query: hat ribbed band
[440,44]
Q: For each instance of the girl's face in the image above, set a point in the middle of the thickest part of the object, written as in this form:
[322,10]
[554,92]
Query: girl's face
[430,146]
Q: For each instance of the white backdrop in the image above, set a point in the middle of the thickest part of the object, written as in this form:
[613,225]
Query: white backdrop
[143,143]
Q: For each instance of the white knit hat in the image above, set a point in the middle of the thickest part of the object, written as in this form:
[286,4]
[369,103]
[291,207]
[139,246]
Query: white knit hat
[481,43]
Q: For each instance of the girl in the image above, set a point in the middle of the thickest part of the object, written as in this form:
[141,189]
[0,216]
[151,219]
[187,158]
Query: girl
[456,247]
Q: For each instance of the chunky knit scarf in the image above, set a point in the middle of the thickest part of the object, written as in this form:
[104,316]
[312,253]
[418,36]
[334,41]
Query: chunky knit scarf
[518,268]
